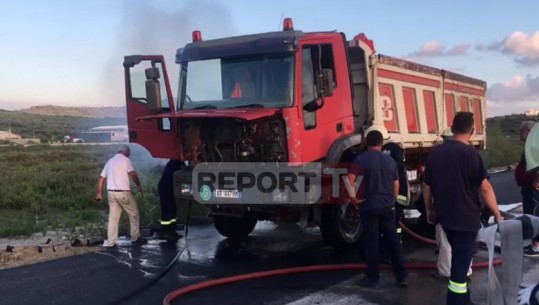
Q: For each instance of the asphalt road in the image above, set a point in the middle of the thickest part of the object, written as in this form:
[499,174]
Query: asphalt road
[132,275]
[210,256]
[505,187]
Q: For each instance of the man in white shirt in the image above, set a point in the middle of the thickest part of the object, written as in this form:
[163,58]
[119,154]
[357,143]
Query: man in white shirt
[117,172]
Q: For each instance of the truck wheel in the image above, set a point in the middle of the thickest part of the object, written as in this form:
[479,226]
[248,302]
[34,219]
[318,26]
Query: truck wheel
[234,227]
[340,226]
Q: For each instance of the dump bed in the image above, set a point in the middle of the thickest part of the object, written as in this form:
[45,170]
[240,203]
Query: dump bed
[417,102]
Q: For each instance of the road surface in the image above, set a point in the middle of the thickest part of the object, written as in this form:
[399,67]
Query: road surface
[137,275]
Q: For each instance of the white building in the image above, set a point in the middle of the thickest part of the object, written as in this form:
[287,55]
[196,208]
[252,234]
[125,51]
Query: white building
[118,133]
[531,112]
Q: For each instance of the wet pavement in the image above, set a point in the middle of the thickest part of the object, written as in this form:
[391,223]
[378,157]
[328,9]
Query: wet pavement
[275,247]
[104,277]
[138,275]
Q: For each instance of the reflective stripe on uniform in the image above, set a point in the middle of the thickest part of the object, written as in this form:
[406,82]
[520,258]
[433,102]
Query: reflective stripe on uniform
[168,222]
[399,230]
[402,198]
[457,287]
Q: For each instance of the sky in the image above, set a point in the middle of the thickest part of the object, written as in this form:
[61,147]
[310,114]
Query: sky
[70,53]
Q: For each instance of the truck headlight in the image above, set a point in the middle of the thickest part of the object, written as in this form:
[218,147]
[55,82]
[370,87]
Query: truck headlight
[186,189]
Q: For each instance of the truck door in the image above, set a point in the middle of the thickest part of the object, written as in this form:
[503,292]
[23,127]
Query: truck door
[148,92]
[334,119]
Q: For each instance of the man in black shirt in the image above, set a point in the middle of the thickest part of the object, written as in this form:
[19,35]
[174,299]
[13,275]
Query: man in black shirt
[454,174]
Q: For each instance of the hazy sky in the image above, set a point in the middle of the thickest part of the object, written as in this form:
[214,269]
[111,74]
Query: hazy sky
[67,52]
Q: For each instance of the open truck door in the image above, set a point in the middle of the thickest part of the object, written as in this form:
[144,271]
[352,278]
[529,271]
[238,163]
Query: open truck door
[148,93]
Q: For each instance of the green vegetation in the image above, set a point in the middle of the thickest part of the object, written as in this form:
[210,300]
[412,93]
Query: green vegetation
[49,128]
[503,140]
[48,187]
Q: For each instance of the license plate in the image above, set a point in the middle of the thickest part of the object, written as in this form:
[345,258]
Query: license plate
[227,194]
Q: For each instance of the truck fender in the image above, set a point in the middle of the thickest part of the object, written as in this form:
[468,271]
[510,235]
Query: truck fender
[340,146]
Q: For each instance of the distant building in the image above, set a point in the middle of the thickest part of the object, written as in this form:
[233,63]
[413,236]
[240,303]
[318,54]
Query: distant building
[8,135]
[16,139]
[117,133]
[531,112]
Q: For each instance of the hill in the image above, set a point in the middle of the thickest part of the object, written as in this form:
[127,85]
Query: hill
[86,112]
[509,124]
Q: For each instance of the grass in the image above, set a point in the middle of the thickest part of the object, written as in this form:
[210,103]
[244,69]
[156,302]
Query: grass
[45,187]
[502,149]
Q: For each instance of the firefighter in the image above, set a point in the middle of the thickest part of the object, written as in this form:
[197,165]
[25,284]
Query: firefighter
[376,211]
[452,200]
[443,262]
[168,202]
[397,153]
[446,134]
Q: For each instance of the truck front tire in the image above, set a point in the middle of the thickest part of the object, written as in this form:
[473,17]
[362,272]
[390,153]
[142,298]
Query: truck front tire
[234,227]
[340,226]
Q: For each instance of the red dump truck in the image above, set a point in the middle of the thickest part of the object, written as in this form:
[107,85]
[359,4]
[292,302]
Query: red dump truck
[305,98]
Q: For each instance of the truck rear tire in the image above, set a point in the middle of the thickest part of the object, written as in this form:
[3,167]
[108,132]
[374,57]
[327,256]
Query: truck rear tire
[234,227]
[340,226]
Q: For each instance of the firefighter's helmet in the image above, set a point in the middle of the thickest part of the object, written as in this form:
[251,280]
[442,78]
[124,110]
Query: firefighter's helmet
[379,128]
[447,133]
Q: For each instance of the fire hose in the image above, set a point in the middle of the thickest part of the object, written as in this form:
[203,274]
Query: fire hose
[170,297]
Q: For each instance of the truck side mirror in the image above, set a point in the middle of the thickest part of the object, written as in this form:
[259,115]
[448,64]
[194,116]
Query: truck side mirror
[327,82]
[153,90]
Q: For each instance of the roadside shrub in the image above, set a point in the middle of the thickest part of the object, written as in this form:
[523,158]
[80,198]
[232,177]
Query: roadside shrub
[502,149]
[44,182]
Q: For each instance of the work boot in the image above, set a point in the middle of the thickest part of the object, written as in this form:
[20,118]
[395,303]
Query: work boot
[367,283]
[402,282]
[163,232]
[139,241]
[173,236]
[168,233]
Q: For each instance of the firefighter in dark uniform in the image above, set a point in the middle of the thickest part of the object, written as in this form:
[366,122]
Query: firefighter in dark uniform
[452,200]
[168,202]
[397,153]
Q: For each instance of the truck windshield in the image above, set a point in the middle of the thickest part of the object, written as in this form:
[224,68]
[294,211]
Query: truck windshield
[254,81]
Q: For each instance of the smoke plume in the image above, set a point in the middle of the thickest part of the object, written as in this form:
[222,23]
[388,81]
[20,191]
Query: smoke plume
[146,29]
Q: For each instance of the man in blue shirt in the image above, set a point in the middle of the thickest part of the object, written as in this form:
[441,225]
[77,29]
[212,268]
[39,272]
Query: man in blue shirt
[380,177]
[395,151]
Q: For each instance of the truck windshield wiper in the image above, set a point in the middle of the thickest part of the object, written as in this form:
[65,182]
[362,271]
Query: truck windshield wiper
[206,107]
[249,106]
